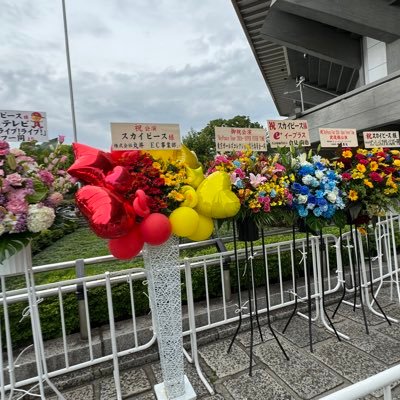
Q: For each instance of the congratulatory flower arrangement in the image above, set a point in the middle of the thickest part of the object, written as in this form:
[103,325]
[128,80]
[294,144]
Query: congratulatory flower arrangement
[317,196]
[29,195]
[371,178]
[260,183]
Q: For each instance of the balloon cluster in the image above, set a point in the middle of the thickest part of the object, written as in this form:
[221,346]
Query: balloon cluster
[130,199]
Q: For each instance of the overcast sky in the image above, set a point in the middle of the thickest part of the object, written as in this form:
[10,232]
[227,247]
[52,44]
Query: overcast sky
[173,61]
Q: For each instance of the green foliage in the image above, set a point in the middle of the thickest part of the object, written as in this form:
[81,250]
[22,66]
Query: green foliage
[203,142]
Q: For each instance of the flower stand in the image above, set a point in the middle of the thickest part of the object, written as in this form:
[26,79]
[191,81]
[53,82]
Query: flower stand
[164,283]
[19,263]
[248,232]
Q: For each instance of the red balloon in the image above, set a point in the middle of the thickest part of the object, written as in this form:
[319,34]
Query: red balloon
[128,246]
[156,229]
[81,150]
[109,215]
[90,164]
[140,204]
[119,179]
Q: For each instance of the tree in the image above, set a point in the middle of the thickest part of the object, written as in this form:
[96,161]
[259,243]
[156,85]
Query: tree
[203,142]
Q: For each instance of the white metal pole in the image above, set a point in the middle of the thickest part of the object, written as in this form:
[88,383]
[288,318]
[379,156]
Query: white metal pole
[71,91]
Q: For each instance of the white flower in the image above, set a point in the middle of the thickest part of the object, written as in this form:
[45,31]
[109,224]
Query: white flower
[331,196]
[319,174]
[307,179]
[316,158]
[2,229]
[40,218]
[302,198]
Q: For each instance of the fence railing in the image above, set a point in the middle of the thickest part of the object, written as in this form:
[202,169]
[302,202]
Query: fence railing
[208,304]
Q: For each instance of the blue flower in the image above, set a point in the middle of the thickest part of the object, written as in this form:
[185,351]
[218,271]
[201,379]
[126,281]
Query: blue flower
[331,175]
[272,193]
[319,194]
[303,212]
[304,190]
[312,199]
[317,211]
[239,184]
[296,187]
[319,166]
[236,163]
[305,170]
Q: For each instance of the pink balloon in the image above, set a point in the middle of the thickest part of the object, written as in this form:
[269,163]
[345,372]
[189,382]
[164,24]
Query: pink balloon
[156,229]
[128,246]
[109,215]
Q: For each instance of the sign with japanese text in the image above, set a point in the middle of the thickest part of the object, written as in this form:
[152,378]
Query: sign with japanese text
[287,132]
[233,139]
[23,126]
[335,137]
[145,136]
[381,139]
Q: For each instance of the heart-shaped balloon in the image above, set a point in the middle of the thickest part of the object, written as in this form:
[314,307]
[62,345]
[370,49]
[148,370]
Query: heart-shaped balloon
[119,179]
[90,164]
[81,150]
[109,215]
[215,197]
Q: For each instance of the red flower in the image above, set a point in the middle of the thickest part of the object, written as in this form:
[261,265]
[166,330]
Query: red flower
[363,161]
[346,176]
[360,157]
[376,177]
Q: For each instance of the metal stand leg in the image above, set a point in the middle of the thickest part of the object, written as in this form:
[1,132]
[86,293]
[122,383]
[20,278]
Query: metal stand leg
[308,283]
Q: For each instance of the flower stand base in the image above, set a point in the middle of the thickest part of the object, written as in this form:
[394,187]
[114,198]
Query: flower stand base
[17,263]
[189,394]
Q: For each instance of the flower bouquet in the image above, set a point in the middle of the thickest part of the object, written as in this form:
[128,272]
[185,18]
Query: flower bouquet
[371,178]
[317,196]
[29,195]
[259,182]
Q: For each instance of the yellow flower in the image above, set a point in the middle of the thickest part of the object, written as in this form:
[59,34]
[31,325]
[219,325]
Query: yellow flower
[396,163]
[357,175]
[373,166]
[353,195]
[340,165]
[368,183]
[176,196]
[362,151]
[361,168]
[362,230]
[395,152]
[156,165]
[347,154]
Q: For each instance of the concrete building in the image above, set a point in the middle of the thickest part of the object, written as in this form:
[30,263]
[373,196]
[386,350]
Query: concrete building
[345,53]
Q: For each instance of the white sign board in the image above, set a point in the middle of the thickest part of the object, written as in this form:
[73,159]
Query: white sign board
[145,136]
[335,137]
[287,132]
[232,139]
[381,139]
[23,126]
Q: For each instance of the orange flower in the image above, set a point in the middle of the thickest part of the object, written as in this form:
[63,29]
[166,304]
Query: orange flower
[347,154]
[361,168]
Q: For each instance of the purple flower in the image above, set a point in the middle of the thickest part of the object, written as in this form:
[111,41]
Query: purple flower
[46,176]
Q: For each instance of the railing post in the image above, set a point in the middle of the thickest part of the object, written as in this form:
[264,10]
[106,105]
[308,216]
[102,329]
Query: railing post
[226,268]
[80,295]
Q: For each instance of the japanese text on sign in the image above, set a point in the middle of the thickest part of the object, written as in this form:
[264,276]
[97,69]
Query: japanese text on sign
[145,136]
[334,137]
[381,139]
[284,133]
[23,126]
[232,139]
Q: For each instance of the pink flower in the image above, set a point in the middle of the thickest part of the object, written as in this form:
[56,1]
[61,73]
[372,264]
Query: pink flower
[14,179]
[46,176]
[279,168]
[61,139]
[17,206]
[240,173]
[55,199]
[4,148]
[256,180]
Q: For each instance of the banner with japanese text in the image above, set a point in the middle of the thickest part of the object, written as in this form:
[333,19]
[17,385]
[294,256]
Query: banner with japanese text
[145,136]
[233,139]
[335,137]
[285,133]
[381,139]
[23,126]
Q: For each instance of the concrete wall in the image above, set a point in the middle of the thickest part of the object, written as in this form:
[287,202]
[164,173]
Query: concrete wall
[375,60]
[393,56]
[362,109]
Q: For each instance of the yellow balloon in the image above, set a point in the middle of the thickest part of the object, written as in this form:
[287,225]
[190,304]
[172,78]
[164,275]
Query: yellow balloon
[195,176]
[182,154]
[215,197]
[190,196]
[204,229]
[184,221]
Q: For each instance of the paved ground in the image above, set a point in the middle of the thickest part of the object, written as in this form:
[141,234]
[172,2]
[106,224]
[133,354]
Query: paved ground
[332,365]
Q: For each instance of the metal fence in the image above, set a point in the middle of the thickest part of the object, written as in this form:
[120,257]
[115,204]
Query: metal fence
[208,305]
